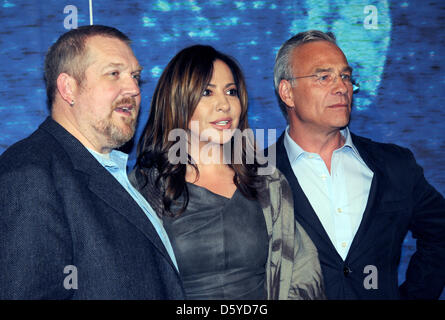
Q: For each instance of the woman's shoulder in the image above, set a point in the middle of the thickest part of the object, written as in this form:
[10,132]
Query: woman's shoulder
[276,190]
[276,176]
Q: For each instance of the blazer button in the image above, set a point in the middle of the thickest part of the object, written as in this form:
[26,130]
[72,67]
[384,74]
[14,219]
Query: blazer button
[346,271]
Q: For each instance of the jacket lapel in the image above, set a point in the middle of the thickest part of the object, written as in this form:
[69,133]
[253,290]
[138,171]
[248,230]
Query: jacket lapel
[104,185]
[372,164]
[107,188]
[304,213]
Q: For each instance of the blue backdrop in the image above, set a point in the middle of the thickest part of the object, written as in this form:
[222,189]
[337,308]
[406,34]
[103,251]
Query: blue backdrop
[395,47]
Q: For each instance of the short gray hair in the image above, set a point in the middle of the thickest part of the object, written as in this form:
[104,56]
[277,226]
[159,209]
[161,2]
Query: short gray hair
[69,54]
[283,68]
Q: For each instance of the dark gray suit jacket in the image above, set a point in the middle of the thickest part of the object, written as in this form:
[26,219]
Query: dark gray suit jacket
[60,207]
[400,199]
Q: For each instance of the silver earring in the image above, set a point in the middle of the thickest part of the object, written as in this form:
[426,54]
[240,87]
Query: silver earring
[72,103]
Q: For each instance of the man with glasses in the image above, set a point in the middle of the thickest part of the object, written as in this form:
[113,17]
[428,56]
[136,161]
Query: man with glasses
[355,198]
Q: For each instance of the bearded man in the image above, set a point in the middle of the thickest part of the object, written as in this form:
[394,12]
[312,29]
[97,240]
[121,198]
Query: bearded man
[71,225]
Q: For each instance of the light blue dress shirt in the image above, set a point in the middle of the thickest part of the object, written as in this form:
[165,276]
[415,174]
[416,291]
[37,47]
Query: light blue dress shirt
[116,163]
[338,198]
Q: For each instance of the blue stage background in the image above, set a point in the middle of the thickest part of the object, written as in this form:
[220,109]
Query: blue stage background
[395,47]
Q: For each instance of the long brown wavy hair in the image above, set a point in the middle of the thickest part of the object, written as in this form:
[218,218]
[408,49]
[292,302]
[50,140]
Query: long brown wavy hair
[174,101]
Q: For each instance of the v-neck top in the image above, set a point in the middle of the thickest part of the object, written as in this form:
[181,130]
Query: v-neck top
[221,246]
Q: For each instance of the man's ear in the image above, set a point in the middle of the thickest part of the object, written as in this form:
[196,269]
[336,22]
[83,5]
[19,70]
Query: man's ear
[66,86]
[285,92]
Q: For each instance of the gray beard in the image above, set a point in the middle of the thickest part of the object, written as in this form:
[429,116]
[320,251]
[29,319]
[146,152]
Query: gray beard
[116,137]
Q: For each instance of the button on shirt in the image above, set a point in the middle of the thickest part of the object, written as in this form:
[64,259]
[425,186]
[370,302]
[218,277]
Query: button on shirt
[338,198]
[116,164]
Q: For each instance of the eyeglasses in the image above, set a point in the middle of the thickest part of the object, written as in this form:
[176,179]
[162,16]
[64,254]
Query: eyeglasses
[326,78]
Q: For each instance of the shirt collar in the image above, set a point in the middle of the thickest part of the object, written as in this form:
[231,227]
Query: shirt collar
[294,151]
[349,144]
[114,159]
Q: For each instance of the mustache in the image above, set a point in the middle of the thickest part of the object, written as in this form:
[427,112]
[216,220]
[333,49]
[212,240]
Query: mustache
[125,101]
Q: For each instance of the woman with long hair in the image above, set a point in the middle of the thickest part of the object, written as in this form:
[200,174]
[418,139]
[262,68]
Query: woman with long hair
[232,228]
